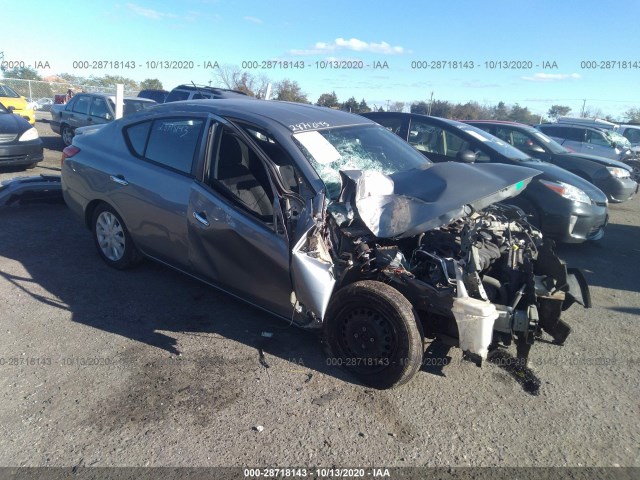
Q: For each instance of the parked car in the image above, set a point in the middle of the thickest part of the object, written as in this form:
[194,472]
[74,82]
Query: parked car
[590,140]
[202,92]
[610,176]
[328,221]
[44,104]
[588,122]
[631,133]
[89,109]
[20,144]
[17,103]
[564,206]
[158,96]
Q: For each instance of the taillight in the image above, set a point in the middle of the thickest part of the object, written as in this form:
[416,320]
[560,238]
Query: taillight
[68,152]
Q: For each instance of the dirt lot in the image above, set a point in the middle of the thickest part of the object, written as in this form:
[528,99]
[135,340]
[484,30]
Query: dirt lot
[147,367]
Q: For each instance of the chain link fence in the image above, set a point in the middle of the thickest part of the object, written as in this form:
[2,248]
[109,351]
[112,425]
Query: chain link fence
[36,89]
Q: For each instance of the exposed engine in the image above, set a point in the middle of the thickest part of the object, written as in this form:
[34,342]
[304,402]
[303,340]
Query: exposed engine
[490,265]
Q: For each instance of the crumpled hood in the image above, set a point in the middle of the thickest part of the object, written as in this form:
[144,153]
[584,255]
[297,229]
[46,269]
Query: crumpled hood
[405,204]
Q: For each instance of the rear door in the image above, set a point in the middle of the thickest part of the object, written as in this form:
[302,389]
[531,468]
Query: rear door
[152,189]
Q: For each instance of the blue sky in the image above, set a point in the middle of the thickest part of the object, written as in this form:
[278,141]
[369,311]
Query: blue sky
[565,33]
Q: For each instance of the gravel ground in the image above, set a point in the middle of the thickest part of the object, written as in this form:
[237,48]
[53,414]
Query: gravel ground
[149,368]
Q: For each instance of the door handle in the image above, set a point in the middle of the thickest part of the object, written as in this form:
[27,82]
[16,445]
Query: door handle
[589,147]
[201,218]
[119,179]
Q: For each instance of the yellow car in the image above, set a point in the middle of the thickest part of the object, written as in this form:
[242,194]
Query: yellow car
[12,101]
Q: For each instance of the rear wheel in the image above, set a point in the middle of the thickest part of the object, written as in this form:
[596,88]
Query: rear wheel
[372,331]
[112,239]
[67,135]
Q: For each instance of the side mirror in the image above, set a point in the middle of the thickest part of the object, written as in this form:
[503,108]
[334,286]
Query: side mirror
[614,145]
[537,149]
[11,109]
[108,116]
[466,156]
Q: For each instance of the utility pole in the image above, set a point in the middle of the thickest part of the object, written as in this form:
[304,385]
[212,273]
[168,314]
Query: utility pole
[584,102]
[388,105]
[430,104]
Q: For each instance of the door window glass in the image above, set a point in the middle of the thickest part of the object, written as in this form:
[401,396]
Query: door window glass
[238,172]
[99,108]
[173,142]
[82,104]
[597,138]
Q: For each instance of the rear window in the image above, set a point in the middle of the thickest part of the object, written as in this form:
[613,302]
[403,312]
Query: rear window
[177,95]
[169,142]
[136,136]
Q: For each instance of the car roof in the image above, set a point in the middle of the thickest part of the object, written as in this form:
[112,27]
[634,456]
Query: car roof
[113,96]
[296,117]
[206,88]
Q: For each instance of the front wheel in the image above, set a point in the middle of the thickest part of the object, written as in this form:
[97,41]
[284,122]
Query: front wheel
[112,239]
[372,331]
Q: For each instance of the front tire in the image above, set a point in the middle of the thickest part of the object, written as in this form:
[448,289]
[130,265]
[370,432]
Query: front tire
[112,239]
[372,331]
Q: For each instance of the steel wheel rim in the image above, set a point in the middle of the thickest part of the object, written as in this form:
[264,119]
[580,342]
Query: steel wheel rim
[366,334]
[110,236]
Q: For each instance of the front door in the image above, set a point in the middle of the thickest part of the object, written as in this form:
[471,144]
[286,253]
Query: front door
[236,236]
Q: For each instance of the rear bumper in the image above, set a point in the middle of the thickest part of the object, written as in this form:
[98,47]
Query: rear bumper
[33,188]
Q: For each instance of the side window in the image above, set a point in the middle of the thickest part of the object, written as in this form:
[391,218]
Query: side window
[99,108]
[82,104]
[632,134]
[177,95]
[289,173]
[173,142]
[575,134]
[71,103]
[453,145]
[517,139]
[136,137]
[425,138]
[597,138]
[391,123]
[237,171]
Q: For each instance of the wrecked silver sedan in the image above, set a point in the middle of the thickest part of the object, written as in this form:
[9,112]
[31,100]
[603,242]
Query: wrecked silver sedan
[329,221]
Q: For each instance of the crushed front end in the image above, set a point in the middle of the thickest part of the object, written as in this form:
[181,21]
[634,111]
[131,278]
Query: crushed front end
[477,273]
[489,266]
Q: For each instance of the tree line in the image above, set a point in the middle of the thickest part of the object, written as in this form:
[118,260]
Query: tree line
[233,77]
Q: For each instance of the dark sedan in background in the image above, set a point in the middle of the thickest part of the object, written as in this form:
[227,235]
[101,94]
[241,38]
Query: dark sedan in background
[564,206]
[611,176]
[20,144]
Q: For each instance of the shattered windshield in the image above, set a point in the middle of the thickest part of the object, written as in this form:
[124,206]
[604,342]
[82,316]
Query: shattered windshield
[620,140]
[362,147]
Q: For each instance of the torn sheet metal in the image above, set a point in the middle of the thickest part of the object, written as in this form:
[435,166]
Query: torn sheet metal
[405,204]
[30,188]
[312,273]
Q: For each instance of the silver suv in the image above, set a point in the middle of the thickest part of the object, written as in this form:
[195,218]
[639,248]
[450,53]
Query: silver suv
[590,140]
[202,92]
